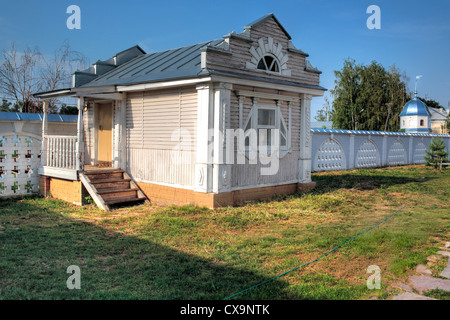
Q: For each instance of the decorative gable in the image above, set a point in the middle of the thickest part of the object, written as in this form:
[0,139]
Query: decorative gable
[269,57]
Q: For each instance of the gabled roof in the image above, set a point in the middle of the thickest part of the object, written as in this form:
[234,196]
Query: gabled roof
[168,64]
[133,66]
[263,19]
[437,115]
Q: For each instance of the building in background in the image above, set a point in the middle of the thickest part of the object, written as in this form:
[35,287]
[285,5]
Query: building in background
[415,117]
[439,120]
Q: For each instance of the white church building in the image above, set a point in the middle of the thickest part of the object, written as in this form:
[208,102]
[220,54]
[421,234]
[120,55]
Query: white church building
[415,117]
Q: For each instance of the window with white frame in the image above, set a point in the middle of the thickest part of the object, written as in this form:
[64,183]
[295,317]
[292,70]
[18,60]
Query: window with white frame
[267,121]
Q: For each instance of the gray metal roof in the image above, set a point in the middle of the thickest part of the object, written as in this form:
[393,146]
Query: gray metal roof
[17,116]
[137,67]
[169,64]
[264,18]
[437,114]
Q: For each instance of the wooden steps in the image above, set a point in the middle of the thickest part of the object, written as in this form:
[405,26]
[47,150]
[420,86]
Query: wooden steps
[109,187]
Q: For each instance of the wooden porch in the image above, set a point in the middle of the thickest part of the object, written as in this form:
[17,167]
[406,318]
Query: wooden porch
[63,157]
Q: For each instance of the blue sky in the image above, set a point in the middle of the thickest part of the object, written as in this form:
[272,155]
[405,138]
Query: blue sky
[414,35]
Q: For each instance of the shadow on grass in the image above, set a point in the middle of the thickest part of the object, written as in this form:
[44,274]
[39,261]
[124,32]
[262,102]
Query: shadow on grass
[38,241]
[366,179]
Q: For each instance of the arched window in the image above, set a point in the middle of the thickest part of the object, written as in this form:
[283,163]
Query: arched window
[268,63]
[422,123]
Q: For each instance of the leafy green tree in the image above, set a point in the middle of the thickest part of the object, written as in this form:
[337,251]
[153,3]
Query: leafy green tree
[437,154]
[5,106]
[345,110]
[431,103]
[65,109]
[368,97]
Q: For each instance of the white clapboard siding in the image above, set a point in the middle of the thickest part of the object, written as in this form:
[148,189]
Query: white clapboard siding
[154,120]
[247,175]
[247,106]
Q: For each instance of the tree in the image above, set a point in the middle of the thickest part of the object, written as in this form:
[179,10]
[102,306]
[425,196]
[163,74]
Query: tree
[5,106]
[368,97]
[65,109]
[18,77]
[23,74]
[56,71]
[324,113]
[437,154]
[431,103]
[345,109]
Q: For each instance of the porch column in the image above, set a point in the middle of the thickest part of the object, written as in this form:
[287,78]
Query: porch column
[119,154]
[203,161]
[222,170]
[304,161]
[80,135]
[123,133]
[44,134]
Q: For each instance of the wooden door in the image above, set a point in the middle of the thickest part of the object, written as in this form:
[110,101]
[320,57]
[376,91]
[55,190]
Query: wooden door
[104,142]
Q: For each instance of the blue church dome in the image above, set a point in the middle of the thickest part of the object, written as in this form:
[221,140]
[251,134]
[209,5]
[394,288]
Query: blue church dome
[415,107]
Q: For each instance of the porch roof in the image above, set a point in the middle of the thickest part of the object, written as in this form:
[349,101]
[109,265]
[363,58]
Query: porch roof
[17,116]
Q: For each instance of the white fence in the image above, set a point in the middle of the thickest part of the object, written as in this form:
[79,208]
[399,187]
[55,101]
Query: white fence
[21,148]
[19,162]
[349,149]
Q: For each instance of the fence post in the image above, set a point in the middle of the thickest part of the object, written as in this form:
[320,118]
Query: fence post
[411,151]
[80,144]
[44,134]
[351,152]
[383,151]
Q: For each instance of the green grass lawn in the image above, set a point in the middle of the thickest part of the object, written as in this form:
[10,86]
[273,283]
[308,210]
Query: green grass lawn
[155,252]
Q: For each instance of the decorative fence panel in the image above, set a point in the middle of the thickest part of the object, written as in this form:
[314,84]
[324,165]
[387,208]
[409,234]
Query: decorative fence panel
[19,162]
[21,155]
[350,149]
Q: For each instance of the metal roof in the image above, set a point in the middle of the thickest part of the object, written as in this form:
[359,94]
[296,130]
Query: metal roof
[436,114]
[169,64]
[17,116]
[264,18]
[415,107]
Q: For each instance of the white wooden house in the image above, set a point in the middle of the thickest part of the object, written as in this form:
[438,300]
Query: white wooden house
[161,122]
